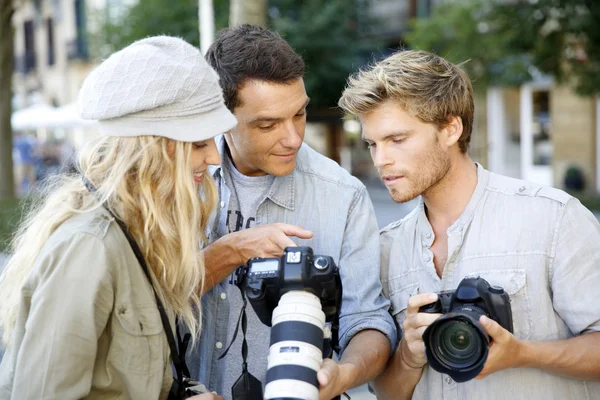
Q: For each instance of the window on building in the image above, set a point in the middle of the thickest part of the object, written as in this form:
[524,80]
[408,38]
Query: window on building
[30,59]
[50,35]
[80,24]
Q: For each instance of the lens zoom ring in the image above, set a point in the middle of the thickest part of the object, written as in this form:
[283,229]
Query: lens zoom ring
[298,331]
[294,372]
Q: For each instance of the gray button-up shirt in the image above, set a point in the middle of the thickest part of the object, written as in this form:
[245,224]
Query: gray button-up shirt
[322,197]
[540,244]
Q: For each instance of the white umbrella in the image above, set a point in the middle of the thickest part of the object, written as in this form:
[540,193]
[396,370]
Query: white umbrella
[33,117]
[67,116]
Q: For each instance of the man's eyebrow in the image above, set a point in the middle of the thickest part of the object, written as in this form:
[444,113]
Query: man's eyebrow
[264,119]
[270,119]
[390,135]
[304,106]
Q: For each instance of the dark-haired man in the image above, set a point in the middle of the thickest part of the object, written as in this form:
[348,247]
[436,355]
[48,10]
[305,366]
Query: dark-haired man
[272,186]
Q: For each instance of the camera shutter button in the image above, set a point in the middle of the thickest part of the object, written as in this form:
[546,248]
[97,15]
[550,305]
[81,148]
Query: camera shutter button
[321,263]
[496,290]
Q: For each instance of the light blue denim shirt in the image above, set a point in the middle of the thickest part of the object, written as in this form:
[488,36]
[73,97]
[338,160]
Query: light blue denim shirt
[540,244]
[322,197]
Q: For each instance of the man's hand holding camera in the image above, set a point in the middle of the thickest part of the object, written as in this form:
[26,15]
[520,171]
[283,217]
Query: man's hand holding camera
[331,379]
[266,241]
[412,347]
[229,252]
[505,348]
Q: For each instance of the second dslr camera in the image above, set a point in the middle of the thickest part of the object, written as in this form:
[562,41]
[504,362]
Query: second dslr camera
[456,344]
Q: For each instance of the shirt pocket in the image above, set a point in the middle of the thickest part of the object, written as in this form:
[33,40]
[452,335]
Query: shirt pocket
[514,282]
[399,301]
[137,343]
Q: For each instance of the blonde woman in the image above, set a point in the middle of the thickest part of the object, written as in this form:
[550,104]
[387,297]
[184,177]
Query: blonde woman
[109,246]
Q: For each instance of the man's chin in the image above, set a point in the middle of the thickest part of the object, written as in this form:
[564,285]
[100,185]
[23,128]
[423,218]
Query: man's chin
[282,170]
[401,197]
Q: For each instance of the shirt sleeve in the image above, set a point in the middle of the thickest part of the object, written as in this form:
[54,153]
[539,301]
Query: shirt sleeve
[575,274]
[363,306]
[71,298]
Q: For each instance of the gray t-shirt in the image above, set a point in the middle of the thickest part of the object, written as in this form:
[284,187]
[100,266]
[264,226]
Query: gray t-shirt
[247,193]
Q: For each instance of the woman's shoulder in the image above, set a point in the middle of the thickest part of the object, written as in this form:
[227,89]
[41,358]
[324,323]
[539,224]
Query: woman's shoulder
[85,240]
[95,222]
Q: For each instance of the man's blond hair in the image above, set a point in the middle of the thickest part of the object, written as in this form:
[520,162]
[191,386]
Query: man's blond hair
[425,85]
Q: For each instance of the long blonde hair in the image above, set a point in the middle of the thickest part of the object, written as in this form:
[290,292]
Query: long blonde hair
[146,182]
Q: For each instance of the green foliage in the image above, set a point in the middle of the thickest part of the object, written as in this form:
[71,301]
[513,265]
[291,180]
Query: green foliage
[154,17]
[503,40]
[325,33]
[11,211]
[490,40]
[567,44]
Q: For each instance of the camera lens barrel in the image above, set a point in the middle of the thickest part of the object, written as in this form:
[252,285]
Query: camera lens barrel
[296,351]
[457,345]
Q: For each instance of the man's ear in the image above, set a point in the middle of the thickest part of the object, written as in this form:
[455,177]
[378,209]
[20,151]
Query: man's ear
[451,133]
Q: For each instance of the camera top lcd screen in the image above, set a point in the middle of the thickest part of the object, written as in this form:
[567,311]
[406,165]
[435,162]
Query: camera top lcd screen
[265,266]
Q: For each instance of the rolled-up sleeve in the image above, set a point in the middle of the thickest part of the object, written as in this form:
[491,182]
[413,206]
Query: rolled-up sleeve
[70,299]
[363,306]
[576,269]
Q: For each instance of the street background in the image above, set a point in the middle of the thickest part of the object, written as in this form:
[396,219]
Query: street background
[534,67]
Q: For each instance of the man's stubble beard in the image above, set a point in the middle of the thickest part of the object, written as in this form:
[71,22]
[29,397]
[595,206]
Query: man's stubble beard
[431,169]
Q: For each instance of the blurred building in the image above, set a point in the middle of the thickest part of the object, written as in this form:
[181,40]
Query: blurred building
[52,54]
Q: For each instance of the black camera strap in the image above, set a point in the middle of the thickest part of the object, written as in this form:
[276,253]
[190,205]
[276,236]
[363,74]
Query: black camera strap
[178,387]
[247,386]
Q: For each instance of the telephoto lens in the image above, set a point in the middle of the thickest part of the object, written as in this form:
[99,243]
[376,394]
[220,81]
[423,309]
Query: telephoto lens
[296,351]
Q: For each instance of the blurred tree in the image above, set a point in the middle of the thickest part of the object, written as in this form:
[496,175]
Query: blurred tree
[326,34]
[248,12]
[503,40]
[491,39]
[153,17]
[567,41]
[7,10]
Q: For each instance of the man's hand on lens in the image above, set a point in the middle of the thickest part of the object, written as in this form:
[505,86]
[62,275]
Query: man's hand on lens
[331,378]
[207,396]
[505,348]
[267,240]
[412,347]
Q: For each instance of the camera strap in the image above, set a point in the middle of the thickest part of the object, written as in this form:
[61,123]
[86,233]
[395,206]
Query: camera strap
[247,386]
[178,388]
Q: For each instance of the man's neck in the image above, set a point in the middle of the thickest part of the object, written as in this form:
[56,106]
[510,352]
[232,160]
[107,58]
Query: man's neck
[446,202]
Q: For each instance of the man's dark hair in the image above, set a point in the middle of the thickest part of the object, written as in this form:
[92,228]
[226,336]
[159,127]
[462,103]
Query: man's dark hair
[252,52]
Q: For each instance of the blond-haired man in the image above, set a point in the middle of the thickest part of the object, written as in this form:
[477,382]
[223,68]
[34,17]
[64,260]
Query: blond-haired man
[538,243]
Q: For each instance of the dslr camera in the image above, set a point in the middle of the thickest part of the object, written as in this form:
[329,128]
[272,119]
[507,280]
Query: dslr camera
[456,344]
[295,295]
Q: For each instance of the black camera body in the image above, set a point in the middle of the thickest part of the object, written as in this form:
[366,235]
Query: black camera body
[456,344]
[478,294]
[267,279]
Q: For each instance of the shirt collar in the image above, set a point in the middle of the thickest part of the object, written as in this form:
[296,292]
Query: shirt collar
[283,188]
[483,178]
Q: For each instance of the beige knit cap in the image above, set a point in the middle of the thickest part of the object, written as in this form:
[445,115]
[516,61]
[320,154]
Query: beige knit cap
[159,86]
